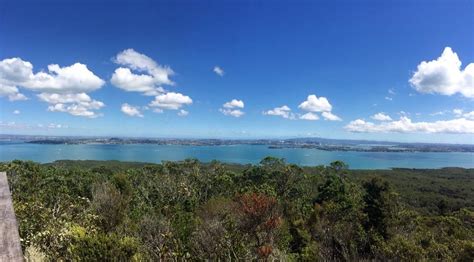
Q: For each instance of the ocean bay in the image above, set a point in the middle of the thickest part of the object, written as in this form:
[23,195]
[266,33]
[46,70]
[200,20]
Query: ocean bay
[240,154]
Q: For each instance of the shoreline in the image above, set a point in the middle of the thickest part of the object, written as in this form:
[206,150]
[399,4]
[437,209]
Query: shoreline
[229,164]
[402,148]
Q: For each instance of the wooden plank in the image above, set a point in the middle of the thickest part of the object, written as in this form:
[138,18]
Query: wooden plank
[10,247]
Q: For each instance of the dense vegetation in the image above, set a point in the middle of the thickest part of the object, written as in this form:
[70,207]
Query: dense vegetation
[89,210]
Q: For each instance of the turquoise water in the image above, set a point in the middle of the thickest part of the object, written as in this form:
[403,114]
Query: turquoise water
[242,154]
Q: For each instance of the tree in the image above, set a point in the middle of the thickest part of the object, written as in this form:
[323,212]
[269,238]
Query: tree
[259,218]
[110,205]
[380,206]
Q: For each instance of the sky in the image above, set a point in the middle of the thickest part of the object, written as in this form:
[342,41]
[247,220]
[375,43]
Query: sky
[376,70]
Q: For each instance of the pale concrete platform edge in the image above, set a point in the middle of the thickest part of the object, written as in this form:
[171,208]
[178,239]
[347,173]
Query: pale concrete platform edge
[10,246]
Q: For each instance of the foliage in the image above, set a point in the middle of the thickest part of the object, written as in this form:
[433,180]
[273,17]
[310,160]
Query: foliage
[119,211]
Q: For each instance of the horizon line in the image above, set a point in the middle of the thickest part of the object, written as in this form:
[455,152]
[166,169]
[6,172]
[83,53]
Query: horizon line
[234,139]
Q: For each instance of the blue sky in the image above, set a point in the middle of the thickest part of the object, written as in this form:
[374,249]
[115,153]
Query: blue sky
[358,55]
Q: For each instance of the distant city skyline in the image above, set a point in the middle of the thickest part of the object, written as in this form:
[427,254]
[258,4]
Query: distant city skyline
[392,71]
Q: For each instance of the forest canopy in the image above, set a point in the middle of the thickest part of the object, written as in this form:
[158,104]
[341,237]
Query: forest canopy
[108,211]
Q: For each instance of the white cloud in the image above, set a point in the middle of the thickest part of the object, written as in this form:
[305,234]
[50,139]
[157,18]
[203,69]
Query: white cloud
[460,113]
[171,101]
[74,109]
[439,113]
[15,70]
[16,112]
[444,76]
[330,116]
[391,94]
[381,117]
[11,92]
[14,125]
[124,79]
[55,126]
[131,110]
[183,112]
[283,111]
[64,88]
[229,108]
[309,116]
[469,115]
[140,62]
[52,98]
[232,112]
[17,97]
[234,104]
[140,73]
[315,104]
[149,79]
[457,111]
[80,104]
[405,125]
[69,79]
[218,71]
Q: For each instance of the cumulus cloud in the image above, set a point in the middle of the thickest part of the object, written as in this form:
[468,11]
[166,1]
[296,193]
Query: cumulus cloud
[330,116]
[381,117]
[234,104]
[444,76]
[388,98]
[16,112]
[63,88]
[69,79]
[143,63]
[460,113]
[124,79]
[75,109]
[131,110]
[313,104]
[218,71]
[309,116]
[52,98]
[183,112]
[80,104]
[149,76]
[231,108]
[405,125]
[140,73]
[11,92]
[232,112]
[469,115]
[171,101]
[283,111]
